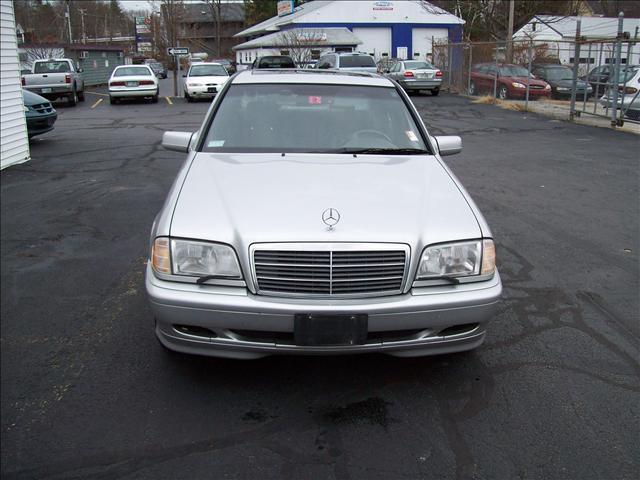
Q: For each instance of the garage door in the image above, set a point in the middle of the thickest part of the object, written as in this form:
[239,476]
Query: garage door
[375,41]
[422,37]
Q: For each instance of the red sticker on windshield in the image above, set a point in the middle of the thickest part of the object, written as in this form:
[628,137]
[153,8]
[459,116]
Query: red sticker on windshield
[315,100]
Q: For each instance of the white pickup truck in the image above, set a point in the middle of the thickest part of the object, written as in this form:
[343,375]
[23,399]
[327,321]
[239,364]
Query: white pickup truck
[55,78]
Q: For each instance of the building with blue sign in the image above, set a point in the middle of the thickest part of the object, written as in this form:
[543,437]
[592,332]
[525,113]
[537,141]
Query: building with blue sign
[400,29]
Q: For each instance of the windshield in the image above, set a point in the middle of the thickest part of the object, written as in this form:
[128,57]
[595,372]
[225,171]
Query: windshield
[131,71]
[51,67]
[418,65]
[311,118]
[348,61]
[627,73]
[559,74]
[513,71]
[156,66]
[276,62]
[207,71]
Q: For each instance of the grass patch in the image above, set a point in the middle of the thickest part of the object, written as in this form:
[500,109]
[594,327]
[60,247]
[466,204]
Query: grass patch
[507,105]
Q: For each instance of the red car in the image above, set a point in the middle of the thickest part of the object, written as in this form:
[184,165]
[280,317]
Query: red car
[511,81]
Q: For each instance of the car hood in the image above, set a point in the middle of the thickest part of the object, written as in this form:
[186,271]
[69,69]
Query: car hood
[523,80]
[242,199]
[567,83]
[209,79]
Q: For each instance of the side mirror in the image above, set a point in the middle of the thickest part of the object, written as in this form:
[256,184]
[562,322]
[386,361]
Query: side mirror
[448,145]
[176,141]
[80,70]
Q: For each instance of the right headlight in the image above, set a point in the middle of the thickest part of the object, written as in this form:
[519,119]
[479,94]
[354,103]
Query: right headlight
[458,259]
[194,259]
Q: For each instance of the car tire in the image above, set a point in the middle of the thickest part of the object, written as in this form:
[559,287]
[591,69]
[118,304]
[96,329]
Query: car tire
[81,95]
[503,93]
[472,88]
[113,100]
[154,99]
[73,98]
[435,92]
[189,99]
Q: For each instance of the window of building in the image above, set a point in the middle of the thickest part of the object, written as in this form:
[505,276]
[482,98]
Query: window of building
[284,52]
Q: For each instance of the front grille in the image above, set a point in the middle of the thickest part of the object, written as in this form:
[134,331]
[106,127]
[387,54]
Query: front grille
[536,87]
[333,272]
[43,108]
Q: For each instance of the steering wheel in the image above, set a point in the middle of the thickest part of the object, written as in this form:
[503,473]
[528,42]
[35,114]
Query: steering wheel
[363,133]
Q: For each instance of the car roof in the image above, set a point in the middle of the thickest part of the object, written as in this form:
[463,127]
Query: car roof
[352,54]
[299,75]
[205,63]
[143,65]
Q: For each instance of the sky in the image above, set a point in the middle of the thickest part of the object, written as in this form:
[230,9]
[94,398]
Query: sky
[135,4]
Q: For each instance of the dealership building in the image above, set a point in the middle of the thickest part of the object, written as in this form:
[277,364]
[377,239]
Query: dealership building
[400,29]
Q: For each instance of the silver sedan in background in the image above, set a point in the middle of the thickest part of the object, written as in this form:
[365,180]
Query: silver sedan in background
[416,75]
[314,215]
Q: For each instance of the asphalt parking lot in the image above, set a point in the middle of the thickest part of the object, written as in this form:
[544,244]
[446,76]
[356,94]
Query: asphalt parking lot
[553,393]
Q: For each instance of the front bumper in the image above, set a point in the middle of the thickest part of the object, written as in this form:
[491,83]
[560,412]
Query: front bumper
[421,84]
[38,124]
[242,325]
[204,91]
[533,93]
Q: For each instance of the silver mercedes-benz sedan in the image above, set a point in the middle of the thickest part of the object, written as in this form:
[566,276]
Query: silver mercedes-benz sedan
[314,215]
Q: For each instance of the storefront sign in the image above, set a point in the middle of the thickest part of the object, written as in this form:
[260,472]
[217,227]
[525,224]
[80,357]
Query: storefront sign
[285,7]
[383,6]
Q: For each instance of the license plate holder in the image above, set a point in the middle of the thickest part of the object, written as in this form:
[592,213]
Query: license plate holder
[132,84]
[330,330]
[46,90]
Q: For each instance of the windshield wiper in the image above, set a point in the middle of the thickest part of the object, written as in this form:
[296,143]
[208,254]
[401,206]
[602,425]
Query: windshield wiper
[391,151]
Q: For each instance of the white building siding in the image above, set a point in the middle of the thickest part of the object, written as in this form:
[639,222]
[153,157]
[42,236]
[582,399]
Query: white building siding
[14,143]
[375,40]
[423,38]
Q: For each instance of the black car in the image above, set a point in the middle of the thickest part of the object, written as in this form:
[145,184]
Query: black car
[560,77]
[227,64]
[39,113]
[159,69]
[274,61]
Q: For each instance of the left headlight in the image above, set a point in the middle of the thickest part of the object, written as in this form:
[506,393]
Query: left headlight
[195,259]
[547,87]
[26,109]
[459,259]
[518,85]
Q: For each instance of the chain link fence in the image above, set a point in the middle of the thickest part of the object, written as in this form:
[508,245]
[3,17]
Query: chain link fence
[584,76]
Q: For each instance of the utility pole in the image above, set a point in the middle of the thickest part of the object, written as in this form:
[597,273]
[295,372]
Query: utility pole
[69,23]
[84,37]
[510,32]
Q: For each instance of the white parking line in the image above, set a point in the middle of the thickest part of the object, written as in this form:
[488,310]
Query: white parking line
[97,103]
[168,99]
[96,93]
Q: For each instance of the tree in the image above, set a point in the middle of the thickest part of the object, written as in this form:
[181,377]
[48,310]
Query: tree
[489,19]
[300,44]
[172,13]
[215,7]
[256,11]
